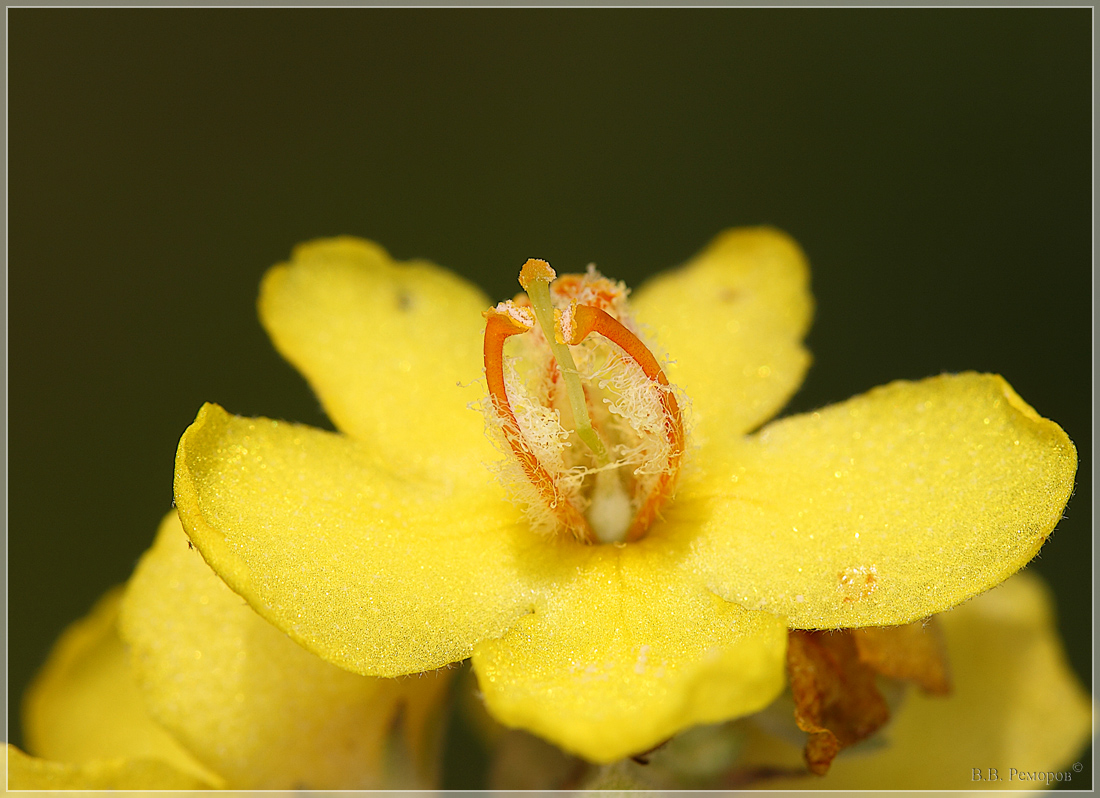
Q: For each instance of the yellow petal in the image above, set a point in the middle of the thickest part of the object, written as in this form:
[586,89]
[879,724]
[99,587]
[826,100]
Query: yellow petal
[29,773]
[84,705]
[393,350]
[1016,707]
[883,509]
[732,322]
[623,651]
[376,573]
[248,701]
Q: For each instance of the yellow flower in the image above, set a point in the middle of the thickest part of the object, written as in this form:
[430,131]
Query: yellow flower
[389,548]
[174,683]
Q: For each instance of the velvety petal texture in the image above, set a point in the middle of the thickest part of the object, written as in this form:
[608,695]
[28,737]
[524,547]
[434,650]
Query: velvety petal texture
[84,707]
[622,653]
[30,773]
[343,556]
[375,572]
[883,509]
[1015,707]
[385,345]
[252,704]
[732,321]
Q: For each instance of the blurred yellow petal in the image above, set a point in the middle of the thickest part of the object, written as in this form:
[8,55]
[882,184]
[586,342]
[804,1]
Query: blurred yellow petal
[248,701]
[85,707]
[883,509]
[732,321]
[29,773]
[392,349]
[374,572]
[623,652]
[1016,708]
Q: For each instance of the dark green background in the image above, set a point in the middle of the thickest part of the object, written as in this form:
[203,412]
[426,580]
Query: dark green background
[934,164]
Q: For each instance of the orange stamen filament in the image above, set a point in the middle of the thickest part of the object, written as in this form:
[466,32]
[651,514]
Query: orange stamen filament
[498,328]
[616,507]
[586,320]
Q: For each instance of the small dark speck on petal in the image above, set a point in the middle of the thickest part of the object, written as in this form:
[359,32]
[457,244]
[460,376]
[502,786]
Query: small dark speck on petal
[404,301]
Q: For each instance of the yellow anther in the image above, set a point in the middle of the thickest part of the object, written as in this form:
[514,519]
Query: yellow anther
[536,270]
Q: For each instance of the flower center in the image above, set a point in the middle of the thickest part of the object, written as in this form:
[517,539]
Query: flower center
[591,426]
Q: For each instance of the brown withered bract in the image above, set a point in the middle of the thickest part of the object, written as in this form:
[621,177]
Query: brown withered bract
[836,700]
[833,681]
[914,652]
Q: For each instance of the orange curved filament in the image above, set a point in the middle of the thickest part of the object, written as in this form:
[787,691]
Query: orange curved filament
[588,319]
[498,328]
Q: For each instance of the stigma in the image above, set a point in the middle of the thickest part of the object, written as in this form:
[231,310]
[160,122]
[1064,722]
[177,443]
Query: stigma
[592,430]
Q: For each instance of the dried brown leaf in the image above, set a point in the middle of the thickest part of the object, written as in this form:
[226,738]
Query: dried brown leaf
[836,700]
[915,653]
